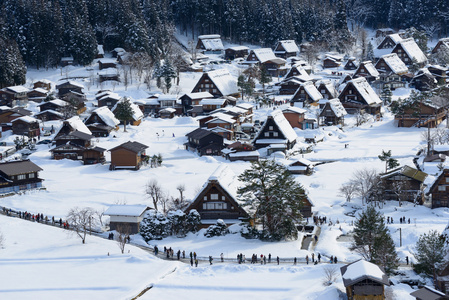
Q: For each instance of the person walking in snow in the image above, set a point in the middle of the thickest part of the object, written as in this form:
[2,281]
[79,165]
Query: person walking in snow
[194,255]
[277,259]
[332,258]
[294,261]
[183,254]
[191,261]
[335,259]
[210,259]
[313,257]
[319,257]
[269,257]
[307,259]
[221,256]
[196,262]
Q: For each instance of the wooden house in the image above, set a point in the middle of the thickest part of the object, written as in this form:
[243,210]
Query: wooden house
[117,51]
[409,52]
[108,74]
[204,142]
[106,63]
[442,45]
[191,99]
[167,113]
[225,122]
[351,64]
[299,72]
[364,280]
[391,63]
[8,114]
[442,278]
[232,53]
[14,96]
[210,43]
[101,122]
[66,61]
[327,89]
[27,126]
[286,48]
[148,106]
[137,115]
[72,124]
[333,113]
[43,84]
[77,145]
[390,41]
[295,116]
[290,85]
[108,99]
[366,69]
[49,115]
[217,199]
[331,61]
[126,217]
[37,95]
[307,93]
[439,72]
[359,95]
[69,86]
[100,51]
[19,175]
[55,105]
[276,130]
[424,80]
[219,83]
[265,57]
[213,104]
[129,155]
[438,192]
[428,293]
[77,100]
[382,32]
[409,179]
[301,166]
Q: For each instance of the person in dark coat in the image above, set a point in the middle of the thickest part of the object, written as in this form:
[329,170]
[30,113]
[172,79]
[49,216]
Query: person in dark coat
[277,259]
[335,259]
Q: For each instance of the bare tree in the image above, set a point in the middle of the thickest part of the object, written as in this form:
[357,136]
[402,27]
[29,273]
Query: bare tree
[123,231]
[81,220]
[2,240]
[428,136]
[330,275]
[100,213]
[401,188]
[154,190]
[348,190]
[181,189]
[364,180]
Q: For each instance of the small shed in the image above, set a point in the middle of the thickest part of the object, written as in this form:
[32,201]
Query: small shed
[428,293]
[364,280]
[126,216]
[301,166]
[129,155]
[232,53]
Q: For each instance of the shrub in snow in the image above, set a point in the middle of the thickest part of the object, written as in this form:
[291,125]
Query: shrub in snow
[154,226]
[177,220]
[193,221]
[249,232]
[219,229]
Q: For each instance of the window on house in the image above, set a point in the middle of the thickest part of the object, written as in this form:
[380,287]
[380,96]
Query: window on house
[31,175]
[442,188]
[214,196]
[223,198]
[275,134]
[447,179]
[205,198]
[266,134]
[270,127]
[350,91]
[21,177]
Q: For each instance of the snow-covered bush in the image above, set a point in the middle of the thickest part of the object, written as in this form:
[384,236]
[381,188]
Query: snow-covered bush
[249,232]
[177,219]
[193,221]
[219,229]
[154,226]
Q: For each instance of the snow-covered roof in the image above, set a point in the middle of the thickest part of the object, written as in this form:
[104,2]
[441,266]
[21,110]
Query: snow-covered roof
[50,111]
[294,109]
[311,90]
[245,105]
[126,210]
[41,90]
[224,81]
[108,94]
[18,89]
[199,95]
[167,97]
[396,38]
[289,45]
[226,178]
[244,154]
[107,116]
[168,110]
[57,102]
[100,49]
[238,48]
[330,86]
[395,63]
[71,83]
[108,72]
[370,69]
[76,123]
[223,117]
[361,269]
[337,107]
[267,54]
[366,91]
[283,125]
[211,42]
[219,101]
[413,51]
[26,119]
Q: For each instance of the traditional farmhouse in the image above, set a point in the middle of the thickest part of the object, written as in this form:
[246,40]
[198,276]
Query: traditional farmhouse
[101,122]
[359,95]
[331,61]
[106,63]
[72,124]
[382,32]
[14,96]
[409,52]
[241,151]
[404,184]
[219,83]
[55,105]
[69,86]
[204,142]
[232,53]
[107,98]
[126,218]
[301,166]
[129,155]
[217,199]
[43,84]
[306,94]
[7,114]
[77,145]
[38,95]
[351,64]
[428,293]
[286,49]
[327,89]
[290,85]
[437,194]
[391,63]
[442,45]
[421,114]
[295,116]
[364,280]
[366,69]
[265,57]
[27,126]
[19,175]
[424,80]
[191,99]
[275,132]
[137,116]
[390,41]
[49,115]
[299,72]
[333,113]
[108,74]
[210,43]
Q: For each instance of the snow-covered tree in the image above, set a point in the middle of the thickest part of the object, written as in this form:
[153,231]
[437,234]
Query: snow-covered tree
[218,229]
[12,66]
[429,251]
[124,111]
[154,226]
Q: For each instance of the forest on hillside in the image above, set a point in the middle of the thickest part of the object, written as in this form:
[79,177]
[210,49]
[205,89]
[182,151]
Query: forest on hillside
[39,32]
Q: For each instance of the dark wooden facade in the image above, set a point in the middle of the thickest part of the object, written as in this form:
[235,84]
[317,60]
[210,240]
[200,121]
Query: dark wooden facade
[411,180]
[7,115]
[17,176]
[67,87]
[351,64]
[27,126]
[289,86]
[423,115]
[353,100]
[232,53]
[15,95]
[204,142]
[129,155]
[329,62]
[271,132]
[438,193]
[77,145]
[49,115]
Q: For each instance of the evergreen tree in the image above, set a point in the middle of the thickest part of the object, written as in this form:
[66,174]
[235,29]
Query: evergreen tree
[264,78]
[272,193]
[193,221]
[429,252]
[370,52]
[390,163]
[12,66]
[124,112]
[154,226]
[218,229]
[373,241]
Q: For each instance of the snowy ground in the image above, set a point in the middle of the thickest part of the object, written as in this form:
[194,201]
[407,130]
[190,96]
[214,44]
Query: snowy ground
[46,263]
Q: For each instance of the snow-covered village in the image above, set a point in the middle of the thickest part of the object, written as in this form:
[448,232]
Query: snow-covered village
[275,149]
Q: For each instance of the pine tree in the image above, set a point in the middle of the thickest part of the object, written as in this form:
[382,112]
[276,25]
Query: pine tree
[154,226]
[390,163]
[12,66]
[124,112]
[429,252]
[193,221]
[264,78]
[269,190]
[373,241]
[370,52]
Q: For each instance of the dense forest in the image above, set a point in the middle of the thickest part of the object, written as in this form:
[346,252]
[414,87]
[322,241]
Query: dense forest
[43,31]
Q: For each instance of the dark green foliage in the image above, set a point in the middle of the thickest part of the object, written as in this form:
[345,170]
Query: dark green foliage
[390,163]
[12,66]
[218,229]
[372,240]
[124,112]
[275,198]
[430,252]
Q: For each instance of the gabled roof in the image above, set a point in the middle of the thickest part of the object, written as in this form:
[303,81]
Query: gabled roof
[19,167]
[288,45]
[283,125]
[224,81]
[369,67]
[393,61]
[137,112]
[76,124]
[214,101]
[361,270]
[20,110]
[132,146]
[337,107]
[329,85]
[77,134]
[428,293]
[17,89]
[69,82]
[365,90]
[199,95]
[294,109]
[310,89]
[266,54]
[50,111]
[26,119]
[200,133]
[412,49]
[407,171]
[57,102]
[211,42]
[126,210]
[106,116]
